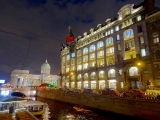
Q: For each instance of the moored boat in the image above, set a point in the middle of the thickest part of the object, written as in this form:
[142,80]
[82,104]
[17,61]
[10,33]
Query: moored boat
[34,107]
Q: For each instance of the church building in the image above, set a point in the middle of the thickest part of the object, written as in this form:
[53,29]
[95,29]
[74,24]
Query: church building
[24,78]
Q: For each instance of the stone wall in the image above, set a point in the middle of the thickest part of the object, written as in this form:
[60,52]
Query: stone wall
[143,108]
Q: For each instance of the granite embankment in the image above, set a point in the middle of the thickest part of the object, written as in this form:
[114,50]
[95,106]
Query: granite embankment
[139,107]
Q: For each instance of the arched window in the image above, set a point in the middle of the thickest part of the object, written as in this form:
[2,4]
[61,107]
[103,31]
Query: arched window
[92,48]
[100,44]
[79,53]
[85,50]
[109,41]
[157,53]
[101,74]
[68,57]
[93,75]
[133,71]
[111,73]
[79,77]
[128,33]
[73,77]
[86,76]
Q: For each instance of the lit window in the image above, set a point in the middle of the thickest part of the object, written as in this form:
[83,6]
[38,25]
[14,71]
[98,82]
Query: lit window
[79,67]
[120,72]
[85,66]
[111,73]
[122,85]
[100,62]
[156,39]
[100,44]
[118,37]
[92,48]
[101,74]
[93,75]
[133,71]
[68,57]
[129,45]
[141,40]
[85,76]
[110,60]
[106,33]
[110,50]
[79,77]
[85,58]
[130,55]
[109,41]
[85,50]
[79,60]
[117,28]
[111,31]
[79,53]
[100,53]
[143,52]
[67,69]
[92,63]
[72,61]
[73,54]
[92,56]
[128,33]
[139,18]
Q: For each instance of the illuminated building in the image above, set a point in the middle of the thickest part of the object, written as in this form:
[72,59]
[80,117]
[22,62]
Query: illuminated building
[113,55]
[24,78]
[153,29]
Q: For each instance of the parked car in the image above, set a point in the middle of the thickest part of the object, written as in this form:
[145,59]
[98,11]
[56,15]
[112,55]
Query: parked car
[110,92]
[133,93]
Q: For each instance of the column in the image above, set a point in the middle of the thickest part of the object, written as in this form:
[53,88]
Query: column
[106,79]
[75,80]
[82,82]
[89,81]
[69,80]
[97,81]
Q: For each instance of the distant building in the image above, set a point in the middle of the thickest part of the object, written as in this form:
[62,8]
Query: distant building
[153,29]
[114,55]
[24,78]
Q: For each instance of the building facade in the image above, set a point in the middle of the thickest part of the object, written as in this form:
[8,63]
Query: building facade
[24,78]
[153,29]
[113,55]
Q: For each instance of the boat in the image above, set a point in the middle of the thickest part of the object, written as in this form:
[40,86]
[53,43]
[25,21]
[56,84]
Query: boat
[34,107]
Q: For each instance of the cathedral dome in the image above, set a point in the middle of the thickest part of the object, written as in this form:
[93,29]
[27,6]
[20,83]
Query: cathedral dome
[45,68]
[45,65]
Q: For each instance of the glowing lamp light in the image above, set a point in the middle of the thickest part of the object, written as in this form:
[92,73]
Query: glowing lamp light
[71,73]
[139,63]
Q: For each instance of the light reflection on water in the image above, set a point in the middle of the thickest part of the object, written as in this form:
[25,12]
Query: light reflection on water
[64,111]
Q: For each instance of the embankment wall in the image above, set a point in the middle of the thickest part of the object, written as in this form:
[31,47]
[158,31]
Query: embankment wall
[143,108]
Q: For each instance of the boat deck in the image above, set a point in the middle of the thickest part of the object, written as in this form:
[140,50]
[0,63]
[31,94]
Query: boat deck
[24,115]
[6,116]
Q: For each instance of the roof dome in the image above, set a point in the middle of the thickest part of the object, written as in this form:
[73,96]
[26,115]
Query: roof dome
[45,65]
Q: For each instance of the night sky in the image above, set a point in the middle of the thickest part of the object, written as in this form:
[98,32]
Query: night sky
[45,23]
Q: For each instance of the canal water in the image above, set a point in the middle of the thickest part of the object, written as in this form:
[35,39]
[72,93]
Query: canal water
[66,111]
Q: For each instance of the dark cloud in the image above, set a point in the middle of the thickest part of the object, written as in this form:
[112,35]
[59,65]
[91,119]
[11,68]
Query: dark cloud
[36,3]
[64,3]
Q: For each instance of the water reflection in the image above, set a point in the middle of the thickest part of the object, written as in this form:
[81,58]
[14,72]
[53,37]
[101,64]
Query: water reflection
[66,111]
